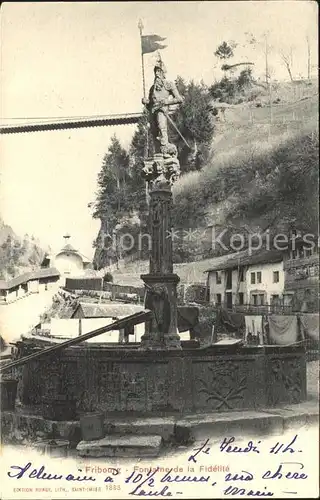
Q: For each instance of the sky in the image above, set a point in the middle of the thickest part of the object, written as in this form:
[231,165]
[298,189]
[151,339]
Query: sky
[83,59]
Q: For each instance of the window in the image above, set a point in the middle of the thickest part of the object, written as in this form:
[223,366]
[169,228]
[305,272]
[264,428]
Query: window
[229,300]
[287,299]
[229,279]
[261,299]
[240,299]
[259,277]
[274,299]
[218,278]
[275,276]
[255,299]
[241,275]
[253,278]
[218,299]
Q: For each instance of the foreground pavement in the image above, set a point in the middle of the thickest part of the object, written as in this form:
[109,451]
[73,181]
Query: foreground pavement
[159,432]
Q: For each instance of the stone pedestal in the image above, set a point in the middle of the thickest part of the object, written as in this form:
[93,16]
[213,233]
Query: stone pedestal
[161,298]
[161,283]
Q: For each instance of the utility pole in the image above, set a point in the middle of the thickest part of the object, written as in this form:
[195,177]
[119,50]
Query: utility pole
[309,58]
[266,55]
[268,82]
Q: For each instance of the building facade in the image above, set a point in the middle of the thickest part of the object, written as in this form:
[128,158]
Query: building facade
[37,281]
[301,277]
[69,261]
[242,278]
[264,283]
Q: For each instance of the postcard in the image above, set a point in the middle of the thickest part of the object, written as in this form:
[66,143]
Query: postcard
[159,250]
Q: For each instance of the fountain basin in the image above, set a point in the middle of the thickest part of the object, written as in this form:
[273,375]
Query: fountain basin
[124,379]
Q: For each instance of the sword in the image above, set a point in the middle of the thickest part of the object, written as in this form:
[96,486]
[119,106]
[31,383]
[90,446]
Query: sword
[176,128]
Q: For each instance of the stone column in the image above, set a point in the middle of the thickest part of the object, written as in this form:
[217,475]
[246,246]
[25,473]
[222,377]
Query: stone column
[161,283]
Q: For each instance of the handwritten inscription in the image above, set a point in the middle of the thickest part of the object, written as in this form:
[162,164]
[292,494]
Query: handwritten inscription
[21,471]
[228,447]
[202,449]
[171,482]
[233,490]
[286,470]
[284,448]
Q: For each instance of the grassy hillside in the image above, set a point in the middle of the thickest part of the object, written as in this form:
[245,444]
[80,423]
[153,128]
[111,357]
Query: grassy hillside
[251,162]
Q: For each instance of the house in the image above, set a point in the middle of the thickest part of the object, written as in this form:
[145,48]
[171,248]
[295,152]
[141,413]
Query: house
[32,282]
[111,310]
[188,317]
[255,278]
[301,276]
[69,261]
[93,315]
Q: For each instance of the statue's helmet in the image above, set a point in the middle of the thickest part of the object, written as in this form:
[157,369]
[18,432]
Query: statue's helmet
[159,66]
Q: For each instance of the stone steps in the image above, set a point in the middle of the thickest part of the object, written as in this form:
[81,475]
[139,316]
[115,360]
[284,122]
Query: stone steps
[121,446]
[131,436]
[160,426]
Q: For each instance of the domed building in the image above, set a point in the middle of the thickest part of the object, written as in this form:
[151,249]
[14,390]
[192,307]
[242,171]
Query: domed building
[69,261]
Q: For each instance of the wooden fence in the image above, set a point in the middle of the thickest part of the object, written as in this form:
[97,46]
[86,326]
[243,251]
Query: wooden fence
[84,284]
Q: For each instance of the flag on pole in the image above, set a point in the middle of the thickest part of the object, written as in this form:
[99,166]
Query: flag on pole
[149,43]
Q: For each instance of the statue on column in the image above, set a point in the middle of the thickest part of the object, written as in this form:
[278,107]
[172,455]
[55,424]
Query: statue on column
[164,168]
[162,95]
[160,171]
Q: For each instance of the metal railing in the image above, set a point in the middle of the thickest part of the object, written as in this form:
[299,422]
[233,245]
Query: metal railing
[258,309]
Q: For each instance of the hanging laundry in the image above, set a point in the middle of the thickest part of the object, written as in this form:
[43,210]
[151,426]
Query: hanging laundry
[233,320]
[254,328]
[283,330]
[310,324]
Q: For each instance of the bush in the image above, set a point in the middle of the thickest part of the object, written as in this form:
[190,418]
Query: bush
[108,278]
[207,318]
[224,90]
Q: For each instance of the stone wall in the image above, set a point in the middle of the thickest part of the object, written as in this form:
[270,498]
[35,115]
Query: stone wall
[130,380]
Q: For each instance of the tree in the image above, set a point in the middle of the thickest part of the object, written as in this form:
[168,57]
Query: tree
[112,197]
[112,183]
[194,119]
[181,85]
[245,78]
[287,61]
[224,51]
[108,278]
[263,44]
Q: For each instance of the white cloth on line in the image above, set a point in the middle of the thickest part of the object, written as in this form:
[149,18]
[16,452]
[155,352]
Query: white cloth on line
[254,326]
